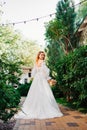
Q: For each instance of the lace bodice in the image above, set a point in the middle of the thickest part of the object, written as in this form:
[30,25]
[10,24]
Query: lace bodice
[43,70]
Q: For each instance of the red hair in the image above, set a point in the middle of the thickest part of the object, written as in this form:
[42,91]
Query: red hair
[37,58]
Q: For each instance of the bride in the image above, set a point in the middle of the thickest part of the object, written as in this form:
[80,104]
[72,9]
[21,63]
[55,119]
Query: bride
[40,102]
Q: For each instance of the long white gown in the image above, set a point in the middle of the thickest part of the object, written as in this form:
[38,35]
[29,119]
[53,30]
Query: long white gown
[40,102]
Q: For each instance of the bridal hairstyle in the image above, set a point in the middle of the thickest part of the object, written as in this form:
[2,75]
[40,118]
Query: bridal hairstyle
[37,58]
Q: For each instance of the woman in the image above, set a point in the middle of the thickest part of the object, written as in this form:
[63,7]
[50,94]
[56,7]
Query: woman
[40,102]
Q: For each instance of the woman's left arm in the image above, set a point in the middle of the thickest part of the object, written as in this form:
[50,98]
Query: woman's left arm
[46,71]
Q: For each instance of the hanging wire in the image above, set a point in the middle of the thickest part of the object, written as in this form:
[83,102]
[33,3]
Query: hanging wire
[26,21]
[36,19]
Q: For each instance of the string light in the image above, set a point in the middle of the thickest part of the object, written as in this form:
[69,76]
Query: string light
[2,3]
[25,22]
[36,19]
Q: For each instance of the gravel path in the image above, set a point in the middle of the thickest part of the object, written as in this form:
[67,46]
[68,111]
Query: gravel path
[7,126]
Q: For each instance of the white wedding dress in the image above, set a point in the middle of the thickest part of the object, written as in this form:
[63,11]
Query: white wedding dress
[40,102]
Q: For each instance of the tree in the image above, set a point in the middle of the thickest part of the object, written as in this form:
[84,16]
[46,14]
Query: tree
[60,32]
[54,48]
[65,12]
[12,46]
[11,41]
[14,52]
[54,53]
[27,51]
[8,35]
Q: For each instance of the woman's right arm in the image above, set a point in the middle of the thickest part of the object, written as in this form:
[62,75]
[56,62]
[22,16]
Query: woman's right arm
[33,72]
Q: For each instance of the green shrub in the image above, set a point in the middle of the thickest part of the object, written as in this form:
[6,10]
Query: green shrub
[56,91]
[24,88]
[10,72]
[72,76]
[9,100]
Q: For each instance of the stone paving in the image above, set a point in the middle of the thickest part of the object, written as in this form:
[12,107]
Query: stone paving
[72,120]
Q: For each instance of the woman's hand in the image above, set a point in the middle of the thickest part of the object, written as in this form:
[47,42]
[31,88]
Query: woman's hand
[52,82]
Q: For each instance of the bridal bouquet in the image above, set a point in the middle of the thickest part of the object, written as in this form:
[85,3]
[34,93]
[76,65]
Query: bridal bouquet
[52,82]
